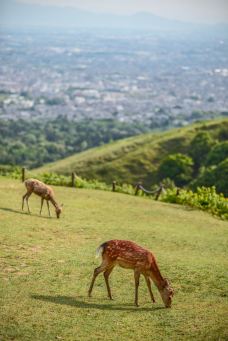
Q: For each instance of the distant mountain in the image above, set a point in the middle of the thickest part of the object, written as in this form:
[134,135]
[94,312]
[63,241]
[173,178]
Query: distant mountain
[17,14]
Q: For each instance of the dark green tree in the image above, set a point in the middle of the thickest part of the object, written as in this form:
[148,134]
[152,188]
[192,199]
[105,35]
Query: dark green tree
[217,154]
[177,167]
[214,176]
[200,146]
[221,176]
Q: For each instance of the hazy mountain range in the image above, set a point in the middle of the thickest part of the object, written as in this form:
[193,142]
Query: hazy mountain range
[21,14]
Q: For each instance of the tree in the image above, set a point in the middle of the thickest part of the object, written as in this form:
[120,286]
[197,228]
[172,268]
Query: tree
[221,175]
[214,176]
[200,146]
[218,153]
[177,167]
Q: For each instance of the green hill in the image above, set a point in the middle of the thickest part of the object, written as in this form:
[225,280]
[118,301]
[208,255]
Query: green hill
[46,267]
[135,158]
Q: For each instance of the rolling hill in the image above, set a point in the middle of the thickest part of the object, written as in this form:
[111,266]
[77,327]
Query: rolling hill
[133,159]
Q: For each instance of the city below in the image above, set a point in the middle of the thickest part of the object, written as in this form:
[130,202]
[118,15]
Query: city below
[154,78]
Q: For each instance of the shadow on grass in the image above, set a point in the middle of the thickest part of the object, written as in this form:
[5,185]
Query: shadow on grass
[23,212]
[73,302]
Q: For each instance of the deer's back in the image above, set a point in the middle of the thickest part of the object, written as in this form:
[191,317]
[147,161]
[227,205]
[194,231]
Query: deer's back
[39,188]
[127,254]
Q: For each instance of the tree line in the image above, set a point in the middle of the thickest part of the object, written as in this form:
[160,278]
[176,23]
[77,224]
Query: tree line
[32,143]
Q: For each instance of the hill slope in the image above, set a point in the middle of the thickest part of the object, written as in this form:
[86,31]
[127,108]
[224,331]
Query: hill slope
[47,264]
[132,159]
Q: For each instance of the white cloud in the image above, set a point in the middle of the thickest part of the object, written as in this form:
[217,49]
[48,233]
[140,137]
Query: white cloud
[190,10]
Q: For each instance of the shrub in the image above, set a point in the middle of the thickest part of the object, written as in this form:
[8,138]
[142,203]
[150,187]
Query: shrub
[12,171]
[205,198]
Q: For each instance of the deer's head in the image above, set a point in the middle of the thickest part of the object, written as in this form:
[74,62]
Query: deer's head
[167,293]
[58,211]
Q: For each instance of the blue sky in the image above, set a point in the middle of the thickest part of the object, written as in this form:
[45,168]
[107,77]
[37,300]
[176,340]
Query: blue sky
[207,11]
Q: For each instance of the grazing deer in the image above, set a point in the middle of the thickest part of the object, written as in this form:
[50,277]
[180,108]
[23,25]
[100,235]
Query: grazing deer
[132,256]
[44,191]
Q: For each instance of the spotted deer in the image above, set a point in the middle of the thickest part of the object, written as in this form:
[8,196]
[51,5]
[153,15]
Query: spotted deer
[129,255]
[42,190]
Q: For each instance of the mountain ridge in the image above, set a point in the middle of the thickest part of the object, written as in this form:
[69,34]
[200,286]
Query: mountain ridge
[21,14]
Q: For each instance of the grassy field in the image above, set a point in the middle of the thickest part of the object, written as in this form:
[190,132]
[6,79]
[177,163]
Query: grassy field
[132,159]
[47,264]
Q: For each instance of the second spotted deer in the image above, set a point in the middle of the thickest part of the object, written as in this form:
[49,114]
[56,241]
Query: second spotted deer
[129,255]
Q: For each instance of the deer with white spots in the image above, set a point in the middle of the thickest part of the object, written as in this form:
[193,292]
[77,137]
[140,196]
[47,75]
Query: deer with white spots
[44,191]
[129,255]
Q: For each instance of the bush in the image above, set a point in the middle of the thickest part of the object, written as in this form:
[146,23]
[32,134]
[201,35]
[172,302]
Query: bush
[205,198]
[11,171]
[55,179]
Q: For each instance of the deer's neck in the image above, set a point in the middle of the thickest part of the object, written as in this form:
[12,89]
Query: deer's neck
[54,203]
[156,276]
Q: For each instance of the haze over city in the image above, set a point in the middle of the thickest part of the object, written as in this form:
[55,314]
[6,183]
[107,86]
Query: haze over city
[201,11]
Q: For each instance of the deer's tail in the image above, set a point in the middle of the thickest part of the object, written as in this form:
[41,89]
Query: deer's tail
[100,250]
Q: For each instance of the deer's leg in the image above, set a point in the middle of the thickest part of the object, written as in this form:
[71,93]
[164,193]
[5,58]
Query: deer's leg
[136,275]
[48,208]
[23,200]
[41,206]
[97,271]
[149,288]
[27,198]
[106,276]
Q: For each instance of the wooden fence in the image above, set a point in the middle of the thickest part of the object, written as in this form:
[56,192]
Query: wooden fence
[138,186]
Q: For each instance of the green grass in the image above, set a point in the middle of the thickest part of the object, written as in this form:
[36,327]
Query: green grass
[47,264]
[132,159]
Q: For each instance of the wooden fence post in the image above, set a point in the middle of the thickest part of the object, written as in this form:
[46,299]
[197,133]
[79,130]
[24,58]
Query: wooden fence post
[23,174]
[73,175]
[114,186]
[137,188]
[159,192]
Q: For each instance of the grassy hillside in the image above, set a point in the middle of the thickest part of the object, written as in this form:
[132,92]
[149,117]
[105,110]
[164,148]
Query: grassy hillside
[47,264]
[132,159]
